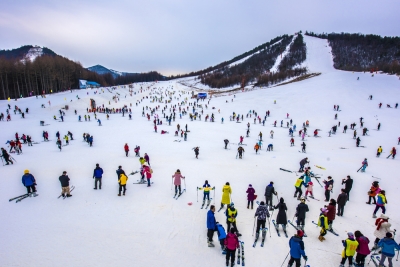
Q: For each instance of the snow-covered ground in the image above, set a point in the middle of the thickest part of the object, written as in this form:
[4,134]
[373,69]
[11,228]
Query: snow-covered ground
[147,227]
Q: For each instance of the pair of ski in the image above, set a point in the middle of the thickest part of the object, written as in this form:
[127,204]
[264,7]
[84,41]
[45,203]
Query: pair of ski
[208,203]
[176,196]
[295,227]
[241,248]
[142,182]
[331,231]
[21,197]
[277,229]
[70,190]
[375,259]
[264,234]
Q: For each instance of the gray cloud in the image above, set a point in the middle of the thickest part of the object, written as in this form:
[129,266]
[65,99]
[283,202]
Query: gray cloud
[176,36]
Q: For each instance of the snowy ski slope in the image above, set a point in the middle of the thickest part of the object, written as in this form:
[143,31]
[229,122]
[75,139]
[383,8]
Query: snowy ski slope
[147,227]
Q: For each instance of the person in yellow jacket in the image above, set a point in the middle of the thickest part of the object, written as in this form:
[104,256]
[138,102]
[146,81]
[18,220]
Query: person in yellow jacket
[226,195]
[323,223]
[122,183]
[350,247]
[231,214]
[299,183]
[379,151]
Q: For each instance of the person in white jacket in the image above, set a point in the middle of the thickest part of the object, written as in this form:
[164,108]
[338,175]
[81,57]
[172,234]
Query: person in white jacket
[382,227]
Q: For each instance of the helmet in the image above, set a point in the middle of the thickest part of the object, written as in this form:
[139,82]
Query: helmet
[232,204]
[26,171]
[302,198]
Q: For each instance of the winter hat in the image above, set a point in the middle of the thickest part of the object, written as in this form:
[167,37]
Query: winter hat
[323,210]
[26,171]
[310,183]
[350,234]
[383,216]
[389,235]
[250,185]
[300,233]
[329,177]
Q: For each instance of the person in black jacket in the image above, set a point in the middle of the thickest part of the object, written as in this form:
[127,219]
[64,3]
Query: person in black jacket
[64,180]
[281,218]
[6,156]
[341,201]
[301,210]
[269,192]
[348,185]
[119,171]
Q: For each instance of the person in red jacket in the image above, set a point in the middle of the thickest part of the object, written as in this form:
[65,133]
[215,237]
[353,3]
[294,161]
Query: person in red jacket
[231,244]
[393,152]
[147,172]
[331,213]
[126,148]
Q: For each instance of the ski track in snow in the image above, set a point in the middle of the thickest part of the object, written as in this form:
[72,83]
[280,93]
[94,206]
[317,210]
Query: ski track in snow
[147,227]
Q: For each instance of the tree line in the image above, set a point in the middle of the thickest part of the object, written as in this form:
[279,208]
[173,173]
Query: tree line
[358,52]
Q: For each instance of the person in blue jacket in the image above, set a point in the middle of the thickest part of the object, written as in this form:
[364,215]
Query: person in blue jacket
[296,245]
[29,182]
[388,246]
[97,175]
[211,225]
[221,236]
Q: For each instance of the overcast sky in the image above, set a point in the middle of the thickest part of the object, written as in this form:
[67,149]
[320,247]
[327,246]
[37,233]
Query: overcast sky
[179,36]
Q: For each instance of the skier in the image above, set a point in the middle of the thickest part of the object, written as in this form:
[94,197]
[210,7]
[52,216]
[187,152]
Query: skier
[393,152]
[177,181]
[148,173]
[231,214]
[382,227]
[292,142]
[358,140]
[389,247]
[260,135]
[345,129]
[147,158]
[270,147]
[379,151]
[241,140]
[379,126]
[256,147]
[380,203]
[348,182]
[64,180]
[303,147]
[362,249]
[350,246]
[301,210]
[29,182]
[315,132]
[309,189]
[374,190]
[231,243]
[97,175]
[250,196]
[247,133]
[137,150]
[297,185]
[296,245]
[221,236]
[331,213]
[196,151]
[226,195]
[272,134]
[328,188]
[99,121]
[261,214]
[269,192]
[364,165]
[240,151]
[226,141]
[323,223]
[126,148]
[281,218]
[58,143]
[211,225]
[122,180]
[341,201]
[302,163]
[6,156]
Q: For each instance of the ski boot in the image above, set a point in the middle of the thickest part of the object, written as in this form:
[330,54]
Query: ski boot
[210,244]
[373,215]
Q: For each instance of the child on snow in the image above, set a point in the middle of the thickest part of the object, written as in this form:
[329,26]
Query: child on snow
[350,246]
[221,237]
[388,246]
[309,189]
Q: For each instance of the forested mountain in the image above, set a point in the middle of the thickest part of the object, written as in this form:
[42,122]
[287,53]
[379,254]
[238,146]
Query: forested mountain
[358,52]
[32,70]
[257,68]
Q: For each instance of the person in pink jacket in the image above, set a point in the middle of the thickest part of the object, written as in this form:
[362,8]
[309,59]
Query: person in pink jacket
[309,189]
[177,181]
[147,172]
[231,244]
[362,249]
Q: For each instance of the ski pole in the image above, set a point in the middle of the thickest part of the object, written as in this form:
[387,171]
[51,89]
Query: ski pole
[285,258]
[197,189]
[397,259]
[185,183]
[172,181]
[254,225]
[214,195]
